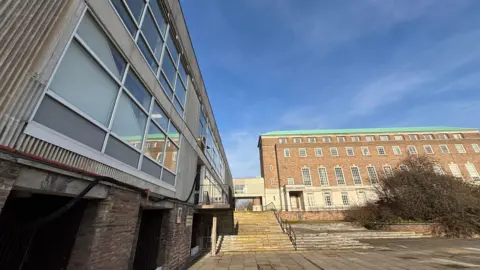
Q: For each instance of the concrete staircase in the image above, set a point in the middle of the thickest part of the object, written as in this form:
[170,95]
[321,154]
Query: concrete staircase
[347,239]
[256,232]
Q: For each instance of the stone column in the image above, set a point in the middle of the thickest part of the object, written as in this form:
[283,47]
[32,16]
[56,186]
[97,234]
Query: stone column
[214,235]
[305,201]
[287,198]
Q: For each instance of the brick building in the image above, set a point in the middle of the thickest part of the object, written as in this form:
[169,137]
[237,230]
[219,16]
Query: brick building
[310,170]
[110,157]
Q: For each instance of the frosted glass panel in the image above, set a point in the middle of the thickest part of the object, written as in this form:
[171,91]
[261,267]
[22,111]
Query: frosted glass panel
[83,83]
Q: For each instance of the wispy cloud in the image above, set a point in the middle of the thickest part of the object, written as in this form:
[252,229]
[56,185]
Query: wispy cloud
[242,153]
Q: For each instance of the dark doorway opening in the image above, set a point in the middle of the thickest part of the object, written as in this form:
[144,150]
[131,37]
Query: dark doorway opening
[148,243]
[25,246]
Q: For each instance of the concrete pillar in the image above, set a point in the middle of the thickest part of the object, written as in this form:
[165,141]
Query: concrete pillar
[214,235]
[287,198]
[106,235]
[8,174]
[305,201]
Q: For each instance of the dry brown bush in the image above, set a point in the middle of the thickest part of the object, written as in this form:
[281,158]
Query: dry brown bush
[421,195]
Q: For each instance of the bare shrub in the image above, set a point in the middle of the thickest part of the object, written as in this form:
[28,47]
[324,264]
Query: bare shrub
[422,195]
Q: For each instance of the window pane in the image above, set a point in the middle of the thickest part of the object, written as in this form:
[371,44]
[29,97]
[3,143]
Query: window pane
[180,92]
[61,119]
[127,20]
[152,35]
[138,90]
[173,134]
[168,177]
[136,7]
[171,156]
[157,13]
[98,42]
[178,107]
[129,122]
[151,167]
[159,116]
[154,143]
[122,152]
[172,48]
[146,53]
[169,69]
[166,87]
[83,83]
[183,73]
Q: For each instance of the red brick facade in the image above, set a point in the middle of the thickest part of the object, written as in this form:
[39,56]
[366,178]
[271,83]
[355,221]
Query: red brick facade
[274,164]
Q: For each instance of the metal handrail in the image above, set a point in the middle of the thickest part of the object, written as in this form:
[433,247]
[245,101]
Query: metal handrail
[286,227]
[277,216]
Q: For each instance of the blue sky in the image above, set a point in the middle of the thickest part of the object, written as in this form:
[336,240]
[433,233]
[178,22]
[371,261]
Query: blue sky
[310,64]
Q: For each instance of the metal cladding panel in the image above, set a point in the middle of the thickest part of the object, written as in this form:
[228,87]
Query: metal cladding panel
[37,147]
[26,26]
[186,170]
[192,113]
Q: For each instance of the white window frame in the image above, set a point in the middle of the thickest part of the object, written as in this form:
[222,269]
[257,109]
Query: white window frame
[357,179]
[341,139]
[345,200]
[302,150]
[398,137]
[355,138]
[438,169]
[425,147]
[476,148]
[399,153]
[458,136]
[428,136]
[323,180]
[304,178]
[410,147]
[370,138]
[404,168]
[290,181]
[286,152]
[297,140]
[460,148]
[318,152]
[336,150]
[312,139]
[327,139]
[381,148]
[327,203]
[282,140]
[272,181]
[414,136]
[384,138]
[337,176]
[389,169]
[443,149]
[373,180]
[351,153]
[455,170]
[443,136]
[472,171]
[363,148]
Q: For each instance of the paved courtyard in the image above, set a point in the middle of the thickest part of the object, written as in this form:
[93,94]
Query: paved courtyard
[395,254]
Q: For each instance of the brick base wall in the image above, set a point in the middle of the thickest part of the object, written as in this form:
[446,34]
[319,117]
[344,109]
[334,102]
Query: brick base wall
[106,233]
[176,238]
[426,229]
[313,215]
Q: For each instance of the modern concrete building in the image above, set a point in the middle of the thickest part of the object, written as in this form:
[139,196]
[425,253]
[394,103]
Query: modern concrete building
[110,157]
[312,170]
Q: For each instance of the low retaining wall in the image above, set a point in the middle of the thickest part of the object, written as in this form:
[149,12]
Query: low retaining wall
[313,215]
[423,228]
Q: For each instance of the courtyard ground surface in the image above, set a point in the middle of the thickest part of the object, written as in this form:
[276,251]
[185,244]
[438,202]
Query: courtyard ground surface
[422,254]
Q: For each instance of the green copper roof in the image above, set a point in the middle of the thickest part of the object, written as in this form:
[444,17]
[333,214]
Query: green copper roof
[364,130]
